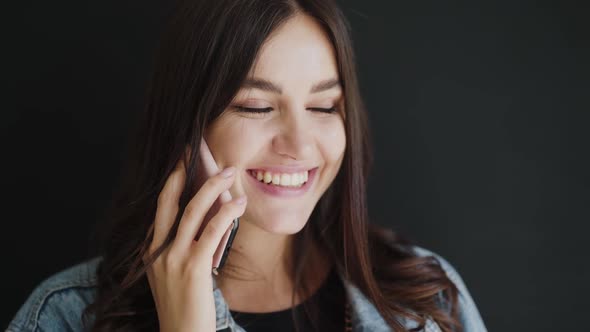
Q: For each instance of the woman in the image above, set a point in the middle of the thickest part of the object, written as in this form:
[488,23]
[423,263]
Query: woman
[271,86]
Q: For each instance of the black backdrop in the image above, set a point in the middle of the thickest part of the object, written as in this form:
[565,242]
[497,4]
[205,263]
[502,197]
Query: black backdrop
[479,114]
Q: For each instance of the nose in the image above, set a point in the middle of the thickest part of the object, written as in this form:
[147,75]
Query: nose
[295,138]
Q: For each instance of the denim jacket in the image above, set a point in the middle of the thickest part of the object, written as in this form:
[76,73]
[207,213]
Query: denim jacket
[56,304]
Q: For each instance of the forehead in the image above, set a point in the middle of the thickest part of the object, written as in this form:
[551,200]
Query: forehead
[298,52]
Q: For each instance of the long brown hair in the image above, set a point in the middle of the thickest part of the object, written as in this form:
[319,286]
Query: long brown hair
[204,57]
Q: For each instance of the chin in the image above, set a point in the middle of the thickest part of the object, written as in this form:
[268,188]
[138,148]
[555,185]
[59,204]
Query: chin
[286,225]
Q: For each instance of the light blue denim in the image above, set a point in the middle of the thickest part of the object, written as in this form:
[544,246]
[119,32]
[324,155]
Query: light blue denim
[57,303]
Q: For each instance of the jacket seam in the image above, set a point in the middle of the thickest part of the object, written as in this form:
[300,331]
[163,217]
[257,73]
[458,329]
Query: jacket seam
[32,319]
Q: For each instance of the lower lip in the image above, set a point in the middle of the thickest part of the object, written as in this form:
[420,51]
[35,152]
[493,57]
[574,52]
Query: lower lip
[278,191]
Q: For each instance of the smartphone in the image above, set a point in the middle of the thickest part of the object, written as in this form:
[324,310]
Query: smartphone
[211,168]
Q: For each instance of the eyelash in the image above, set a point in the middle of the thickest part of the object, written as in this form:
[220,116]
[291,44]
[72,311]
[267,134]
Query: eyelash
[268,109]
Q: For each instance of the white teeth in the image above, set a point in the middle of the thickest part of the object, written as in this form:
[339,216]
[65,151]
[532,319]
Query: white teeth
[286,180]
[267,177]
[276,179]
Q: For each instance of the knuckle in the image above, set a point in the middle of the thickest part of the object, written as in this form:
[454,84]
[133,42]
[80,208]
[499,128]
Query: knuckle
[191,208]
[149,252]
[171,189]
[165,197]
[209,185]
[211,229]
[171,261]
[150,262]
[216,182]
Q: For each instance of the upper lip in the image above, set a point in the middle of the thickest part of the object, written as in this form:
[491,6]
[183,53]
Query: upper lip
[283,169]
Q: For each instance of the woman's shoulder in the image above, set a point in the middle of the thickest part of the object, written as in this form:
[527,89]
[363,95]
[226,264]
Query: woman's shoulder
[468,312]
[57,303]
[449,269]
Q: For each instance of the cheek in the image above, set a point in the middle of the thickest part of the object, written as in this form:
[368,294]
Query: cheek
[333,140]
[231,141]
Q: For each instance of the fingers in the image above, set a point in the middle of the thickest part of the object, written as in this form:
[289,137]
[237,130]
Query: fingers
[210,167]
[199,205]
[167,206]
[218,225]
[207,158]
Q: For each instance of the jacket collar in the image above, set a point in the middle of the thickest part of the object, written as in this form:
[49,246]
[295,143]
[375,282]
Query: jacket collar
[365,317]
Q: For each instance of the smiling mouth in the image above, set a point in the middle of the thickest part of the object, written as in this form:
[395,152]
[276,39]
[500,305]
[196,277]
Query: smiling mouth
[283,180]
[279,190]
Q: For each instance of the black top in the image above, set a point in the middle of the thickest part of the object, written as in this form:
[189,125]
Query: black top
[329,299]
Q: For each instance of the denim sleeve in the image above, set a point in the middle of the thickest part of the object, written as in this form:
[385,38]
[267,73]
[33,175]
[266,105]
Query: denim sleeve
[57,303]
[469,315]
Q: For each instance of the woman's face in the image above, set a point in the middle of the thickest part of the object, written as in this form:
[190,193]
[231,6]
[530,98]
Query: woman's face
[295,74]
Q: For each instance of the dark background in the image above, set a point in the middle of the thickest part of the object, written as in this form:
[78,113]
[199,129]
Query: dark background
[479,115]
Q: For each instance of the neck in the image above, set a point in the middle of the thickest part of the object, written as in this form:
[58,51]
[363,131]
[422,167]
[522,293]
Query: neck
[258,256]
[257,276]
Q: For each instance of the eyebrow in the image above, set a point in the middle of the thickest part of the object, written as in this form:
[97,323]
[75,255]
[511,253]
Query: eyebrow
[265,85]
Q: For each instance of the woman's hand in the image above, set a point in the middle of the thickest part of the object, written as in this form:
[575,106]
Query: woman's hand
[180,278]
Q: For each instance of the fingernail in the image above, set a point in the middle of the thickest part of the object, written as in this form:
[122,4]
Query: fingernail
[240,200]
[226,173]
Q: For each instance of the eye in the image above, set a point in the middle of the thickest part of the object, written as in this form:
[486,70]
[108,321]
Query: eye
[332,109]
[268,109]
[253,110]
